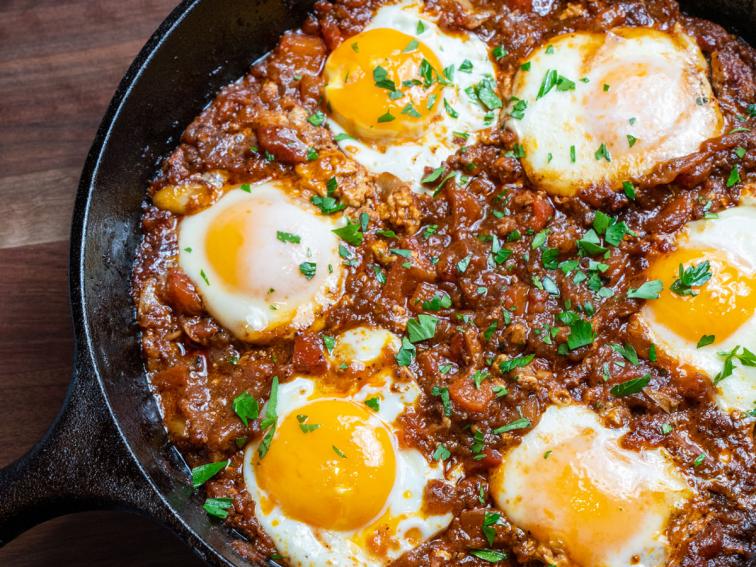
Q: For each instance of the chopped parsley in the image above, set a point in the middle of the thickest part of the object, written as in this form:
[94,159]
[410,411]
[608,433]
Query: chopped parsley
[450,109]
[406,353]
[463,264]
[218,507]
[516,362]
[269,421]
[350,233]
[317,118]
[490,555]
[603,152]
[338,451]
[705,340]
[443,393]
[629,190]
[628,353]
[438,302]
[746,358]
[489,521]
[288,237]
[522,423]
[422,328]
[246,407]
[441,453]
[581,334]
[203,473]
[648,290]
[690,277]
[387,117]
[411,46]
[409,110]
[629,387]
[466,66]
[304,426]
[373,403]
[734,176]
[308,269]
[499,52]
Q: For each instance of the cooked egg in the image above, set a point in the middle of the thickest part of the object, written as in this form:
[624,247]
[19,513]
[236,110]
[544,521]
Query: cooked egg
[264,261]
[722,307]
[573,486]
[604,108]
[400,92]
[337,485]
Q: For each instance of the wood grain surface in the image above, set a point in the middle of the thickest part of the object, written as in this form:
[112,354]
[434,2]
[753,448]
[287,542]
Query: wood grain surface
[60,62]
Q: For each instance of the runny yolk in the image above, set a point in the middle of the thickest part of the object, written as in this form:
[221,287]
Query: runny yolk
[337,476]
[722,304]
[383,85]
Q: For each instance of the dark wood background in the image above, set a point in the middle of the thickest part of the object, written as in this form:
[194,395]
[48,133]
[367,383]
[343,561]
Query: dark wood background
[60,62]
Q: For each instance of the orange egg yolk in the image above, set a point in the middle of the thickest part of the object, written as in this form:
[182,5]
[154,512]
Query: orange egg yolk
[224,242]
[383,85]
[337,476]
[722,304]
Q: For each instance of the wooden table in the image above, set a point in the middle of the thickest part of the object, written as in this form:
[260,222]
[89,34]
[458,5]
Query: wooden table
[60,61]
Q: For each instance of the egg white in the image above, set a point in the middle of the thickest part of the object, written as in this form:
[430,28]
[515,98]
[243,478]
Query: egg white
[305,545]
[407,160]
[639,82]
[526,487]
[278,299]
[363,347]
[732,233]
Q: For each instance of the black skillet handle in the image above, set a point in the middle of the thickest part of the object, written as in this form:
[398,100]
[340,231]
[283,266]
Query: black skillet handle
[80,464]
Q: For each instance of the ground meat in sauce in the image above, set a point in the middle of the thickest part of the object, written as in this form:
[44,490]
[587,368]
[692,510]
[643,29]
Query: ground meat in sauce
[256,129]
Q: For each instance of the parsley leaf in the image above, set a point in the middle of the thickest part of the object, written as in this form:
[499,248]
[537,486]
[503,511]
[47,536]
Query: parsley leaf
[269,421]
[516,362]
[422,328]
[630,386]
[705,340]
[246,407]
[203,473]
[649,290]
[692,276]
[443,393]
[522,423]
[489,521]
[218,507]
[350,233]
[438,302]
[581,334]
[288,237]
[406,353]
[304,426]
[490,555]
[317,118]
[308,269]
[628,353]
[441,453]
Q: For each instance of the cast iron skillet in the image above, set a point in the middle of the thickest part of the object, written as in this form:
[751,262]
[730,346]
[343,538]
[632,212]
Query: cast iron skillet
[108,448]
